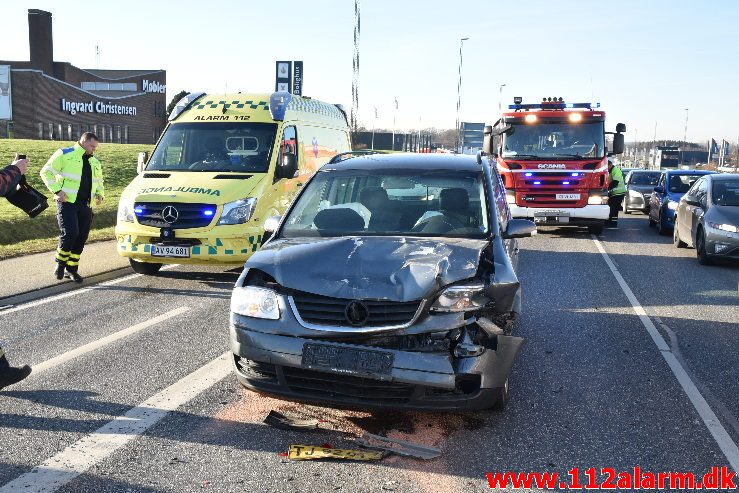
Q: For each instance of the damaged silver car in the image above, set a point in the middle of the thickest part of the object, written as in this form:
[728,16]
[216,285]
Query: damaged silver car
[390,282]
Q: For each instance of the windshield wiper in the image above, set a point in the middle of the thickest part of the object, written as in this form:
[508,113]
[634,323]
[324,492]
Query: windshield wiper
[523,156]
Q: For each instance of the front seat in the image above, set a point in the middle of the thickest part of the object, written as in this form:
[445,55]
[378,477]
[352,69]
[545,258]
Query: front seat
[339,220]
[454,203]
[382,217]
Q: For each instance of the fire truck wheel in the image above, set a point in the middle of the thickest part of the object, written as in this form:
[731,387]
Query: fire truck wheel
[595,230]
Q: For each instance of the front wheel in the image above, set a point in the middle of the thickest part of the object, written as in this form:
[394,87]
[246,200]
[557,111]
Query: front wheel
[700,248]
[144,267]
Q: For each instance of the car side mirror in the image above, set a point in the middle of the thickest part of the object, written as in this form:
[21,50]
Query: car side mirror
[519,228]
[618,144]
[270,226]
[141,163]
[659,189]
[287,167]
[692,200]
[487,140]
[620,128]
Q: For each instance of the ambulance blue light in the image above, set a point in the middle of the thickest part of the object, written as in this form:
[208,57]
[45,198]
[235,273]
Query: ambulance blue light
[528,174]
[208,212]
[138,210]
[278,103]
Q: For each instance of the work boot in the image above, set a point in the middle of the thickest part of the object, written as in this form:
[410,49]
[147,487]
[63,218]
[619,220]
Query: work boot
[74,275]
[59,270]
[13,375]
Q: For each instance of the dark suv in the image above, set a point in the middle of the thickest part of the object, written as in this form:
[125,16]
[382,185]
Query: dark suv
[390,282]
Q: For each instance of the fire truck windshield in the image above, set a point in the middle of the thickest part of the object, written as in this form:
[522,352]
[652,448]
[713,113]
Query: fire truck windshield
[554,141]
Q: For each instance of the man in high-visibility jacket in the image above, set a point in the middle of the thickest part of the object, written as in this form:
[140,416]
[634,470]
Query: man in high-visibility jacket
[616,193]
[75,177]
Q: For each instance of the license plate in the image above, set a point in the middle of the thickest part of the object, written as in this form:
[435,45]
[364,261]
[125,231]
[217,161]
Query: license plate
[170,251]
[567,196]
[347,360]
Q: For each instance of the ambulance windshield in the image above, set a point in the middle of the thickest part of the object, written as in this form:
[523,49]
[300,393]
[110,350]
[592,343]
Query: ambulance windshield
[554,141]
[217,146]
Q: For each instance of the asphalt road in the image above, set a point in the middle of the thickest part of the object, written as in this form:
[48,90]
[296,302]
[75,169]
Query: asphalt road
[126,412]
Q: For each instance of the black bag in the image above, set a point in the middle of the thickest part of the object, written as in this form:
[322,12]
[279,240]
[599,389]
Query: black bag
[28,198]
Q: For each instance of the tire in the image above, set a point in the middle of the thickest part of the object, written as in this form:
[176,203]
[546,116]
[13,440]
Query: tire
[595,230]
[700,248]
[503,398]
[651,221]
[676,238]
[144,267]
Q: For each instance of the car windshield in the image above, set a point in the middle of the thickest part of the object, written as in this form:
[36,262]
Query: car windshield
[447,203]
[726,192]
[644,178]
[554,140]
[217,146]
[681,183]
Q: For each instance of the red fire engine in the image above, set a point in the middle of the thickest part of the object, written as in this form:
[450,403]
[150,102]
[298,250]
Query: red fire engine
[553,159]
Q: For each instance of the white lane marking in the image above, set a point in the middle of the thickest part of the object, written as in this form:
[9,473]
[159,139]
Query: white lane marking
[717,430]
[90,450]
[43,301]
[92,346]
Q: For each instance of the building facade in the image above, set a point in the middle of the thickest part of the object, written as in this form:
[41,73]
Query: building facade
[44,99]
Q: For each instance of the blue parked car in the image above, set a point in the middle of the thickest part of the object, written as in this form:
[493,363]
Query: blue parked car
[670,188]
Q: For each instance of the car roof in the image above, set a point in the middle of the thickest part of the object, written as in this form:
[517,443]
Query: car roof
[689,172]
[460,162]
[724,176]
[639,170]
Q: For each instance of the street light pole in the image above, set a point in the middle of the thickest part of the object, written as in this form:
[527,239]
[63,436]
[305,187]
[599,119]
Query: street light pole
[500,99]
[685,135]
[459,88]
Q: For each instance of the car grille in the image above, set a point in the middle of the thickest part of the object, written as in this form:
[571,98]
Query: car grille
[324,310]
[328,385]
[188,215]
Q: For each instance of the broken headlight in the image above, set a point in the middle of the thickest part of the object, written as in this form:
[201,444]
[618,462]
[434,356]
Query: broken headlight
[461,298]
[255,302]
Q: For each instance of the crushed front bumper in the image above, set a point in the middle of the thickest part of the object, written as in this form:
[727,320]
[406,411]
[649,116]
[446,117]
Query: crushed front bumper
[272,363]
[590,215]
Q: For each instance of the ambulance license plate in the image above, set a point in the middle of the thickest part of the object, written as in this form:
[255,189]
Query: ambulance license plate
[170,251]
[568,196]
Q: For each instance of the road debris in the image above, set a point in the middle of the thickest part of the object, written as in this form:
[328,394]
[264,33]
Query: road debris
[307,452]
[398,447]
[284,422]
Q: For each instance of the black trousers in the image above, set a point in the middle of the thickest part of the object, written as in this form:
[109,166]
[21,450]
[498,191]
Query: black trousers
[74,226]
[614,202]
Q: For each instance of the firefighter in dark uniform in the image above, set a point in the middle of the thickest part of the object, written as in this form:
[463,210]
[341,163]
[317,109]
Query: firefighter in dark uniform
[9,179]
[75,176]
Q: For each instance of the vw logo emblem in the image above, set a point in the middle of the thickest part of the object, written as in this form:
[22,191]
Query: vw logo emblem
[170,214]
[356,313]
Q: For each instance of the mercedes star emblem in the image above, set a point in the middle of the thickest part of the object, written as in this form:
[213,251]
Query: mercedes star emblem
[170,214]
[356,313]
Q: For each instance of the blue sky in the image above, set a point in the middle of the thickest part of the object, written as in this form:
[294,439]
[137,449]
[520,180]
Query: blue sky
[644,61]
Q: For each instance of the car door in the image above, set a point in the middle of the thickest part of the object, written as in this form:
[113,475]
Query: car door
[684,213]
[655,202]
[696,213]
[503,213]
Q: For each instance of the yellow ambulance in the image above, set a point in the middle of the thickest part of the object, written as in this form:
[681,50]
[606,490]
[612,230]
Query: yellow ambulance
[224,164]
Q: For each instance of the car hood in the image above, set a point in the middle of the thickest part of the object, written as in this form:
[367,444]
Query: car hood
[642,188]
[192,186]
[723,214]
[389,268]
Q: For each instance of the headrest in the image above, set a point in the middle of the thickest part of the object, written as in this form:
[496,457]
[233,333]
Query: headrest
[454,200]
[339,219]
[373,198]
